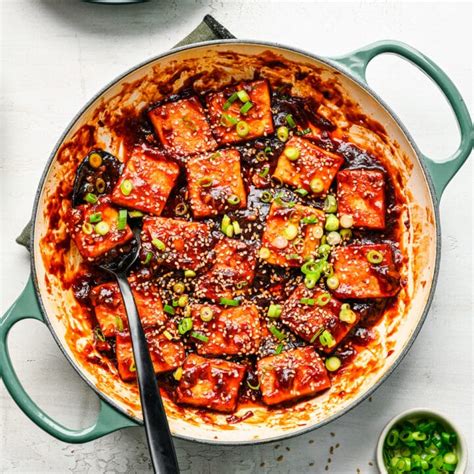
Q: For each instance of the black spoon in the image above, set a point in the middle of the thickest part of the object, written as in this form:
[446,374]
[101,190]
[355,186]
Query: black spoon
[158,434]
[117,263]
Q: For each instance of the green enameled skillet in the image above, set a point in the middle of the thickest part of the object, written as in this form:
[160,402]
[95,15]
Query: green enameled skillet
[425,181]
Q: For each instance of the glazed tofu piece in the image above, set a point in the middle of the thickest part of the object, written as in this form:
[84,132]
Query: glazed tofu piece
[166,355]
[291,375]
[210,383]
[110,313]
[177,243]
[215,183]
[226,110]
[146,182]
[233,269]
[291,234]
[361,194]
[182,127]
[310,312]
[359,278]
[231,331]
[313,170]
[94,239]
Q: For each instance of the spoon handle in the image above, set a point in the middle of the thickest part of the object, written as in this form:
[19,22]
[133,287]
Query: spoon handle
[158,434]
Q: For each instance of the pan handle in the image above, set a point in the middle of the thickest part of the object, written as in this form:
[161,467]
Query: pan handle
[441,172]
[109,420]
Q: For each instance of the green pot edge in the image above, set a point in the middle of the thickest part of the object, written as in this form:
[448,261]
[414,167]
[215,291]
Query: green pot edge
[109,419]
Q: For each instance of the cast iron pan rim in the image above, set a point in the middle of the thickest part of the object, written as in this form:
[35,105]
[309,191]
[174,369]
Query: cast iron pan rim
[365,88]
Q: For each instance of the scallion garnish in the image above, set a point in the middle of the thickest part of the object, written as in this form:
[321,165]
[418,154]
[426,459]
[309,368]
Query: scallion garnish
[126,187]
[266,196]
[148,257]
[333,363]
[290,121]
[307,301]
[134,214]
[228,121]
[229,302]
[309,220]
[279,348]
[159,244]
[303,132]
[274,311]
[122,219]
[374,257]
[277,333]
[185,325]
[199,336]
[246,107]
[302,192]
[243,96]
[91,198]
[169,309]
[228,103]
[326,339]
[264,171]
[242,128]
[102,228]
[233,199]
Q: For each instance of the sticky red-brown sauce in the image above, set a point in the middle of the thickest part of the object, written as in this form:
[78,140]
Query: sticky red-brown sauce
[271,284]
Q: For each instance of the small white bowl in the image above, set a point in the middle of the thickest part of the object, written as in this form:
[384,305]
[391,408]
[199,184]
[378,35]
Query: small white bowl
[461,448]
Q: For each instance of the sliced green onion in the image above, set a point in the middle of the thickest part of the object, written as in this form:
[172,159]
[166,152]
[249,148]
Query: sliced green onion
[179,287]
[292,256]
[333,363]
[266,196]
[334,238]
[375,257]
[126,187]
[332,282]
[228,121]
[87,228]
[233,200]
[279,348]
[450,458]
[243,96]
[323,299]
[290,232]
[236,227]
[119,323]
[185,325]
[264,171]
[189,273]
[246,107]
[96,217]
[206,314]
[324,250]
[181,209]
[241,284]
[159,244]
[310,282]
[230,101]
[99,334]
[225,222]
[183,301]
[309,220]
[290,121]
[274,311]
[132,367]
[242,129]
[282,133]
[100,185]
[178,373]
[332,222]
[229,231]
[316,335]
[305,131]
[346,234]
[253,387]
[229,302]
[148,257]
[307,301]
[205,182]
[392,437]
[330,204]
[199,336]
[346,314]
[134,214]
[168,335]
[91,198]
[277,333]
[292,153]
[122,219]
[302,192]
[169,309]
[95,160]
[316,185]
[326,339]
[102,228]
[267,150]
[264,253]
[346,221]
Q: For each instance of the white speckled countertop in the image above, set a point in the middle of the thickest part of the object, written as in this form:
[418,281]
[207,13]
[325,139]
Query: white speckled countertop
[56,54]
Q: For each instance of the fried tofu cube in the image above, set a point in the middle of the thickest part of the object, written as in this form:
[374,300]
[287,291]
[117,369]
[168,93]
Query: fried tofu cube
[231,331]
[210,383]
[152,177]
[215,183]
[313,170]
[361,194]
[308,321]
[291,375]
[165,354]
[359,278]
[110,313]
[177,243]
[291,234]
[182,127]
[90,243]
[233,269]
[258,117]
